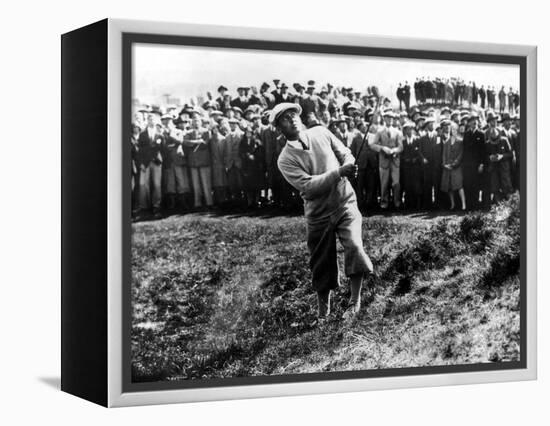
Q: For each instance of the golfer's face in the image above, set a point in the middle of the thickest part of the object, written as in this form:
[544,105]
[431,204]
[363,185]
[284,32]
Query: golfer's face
[290,122]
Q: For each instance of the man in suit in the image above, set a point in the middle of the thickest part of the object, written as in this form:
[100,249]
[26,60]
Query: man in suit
[232,161]
[176,177]
[411,172]
[473,160]
[267,99]
[310,103]
[149,158]
[502,100]
[241,101]
[222,100]
[400,96]
[388,142]
[282,95]
[512,137]
[407,95]
[482,95]
[199,161]
[430,152]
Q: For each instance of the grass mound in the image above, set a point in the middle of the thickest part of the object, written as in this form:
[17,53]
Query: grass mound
[227,297]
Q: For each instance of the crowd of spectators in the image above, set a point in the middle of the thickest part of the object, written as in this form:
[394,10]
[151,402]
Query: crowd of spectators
[444,136]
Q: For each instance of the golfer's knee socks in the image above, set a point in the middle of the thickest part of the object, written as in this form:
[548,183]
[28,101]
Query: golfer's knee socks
[323,301]
[355,289]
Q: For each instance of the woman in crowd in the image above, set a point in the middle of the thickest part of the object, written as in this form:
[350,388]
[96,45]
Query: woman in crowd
[451,177]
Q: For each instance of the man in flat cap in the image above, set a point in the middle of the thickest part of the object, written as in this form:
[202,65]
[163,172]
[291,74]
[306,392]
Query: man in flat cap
[407,95]
[241,101]
[388,142]
[222,99]
[431,153]
[150,143]
[411,171]
[282,95]
[267,99]
[513,138]
[473,161]
[318,165]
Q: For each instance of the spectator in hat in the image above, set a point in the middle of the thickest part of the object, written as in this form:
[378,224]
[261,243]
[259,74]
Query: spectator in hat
[473,160]
[282,95]
[400,96]
[502,100]
[217,149]
[419,121]
[325,118]
[451,175]
[318,165]
[388,142]
[411,171]
[517,150]
[149,157]
[252,157]
[254,99]
[516,101]
[430,152]
[363,154]
[299,96]
[272,148]
[323,100]
[500,156]
[222,98]
[176,176]
[199,162]
[233,162]
[510,133]
[241,101]
[449,92]
[310,103]
[407,95]
[511,100]
[349,102]
[342,131]
[268,101]
[134,149]
[482,96]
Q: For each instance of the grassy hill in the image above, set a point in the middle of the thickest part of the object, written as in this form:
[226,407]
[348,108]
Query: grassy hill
[227,296]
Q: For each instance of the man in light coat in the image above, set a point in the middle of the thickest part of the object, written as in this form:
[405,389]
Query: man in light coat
[388,142]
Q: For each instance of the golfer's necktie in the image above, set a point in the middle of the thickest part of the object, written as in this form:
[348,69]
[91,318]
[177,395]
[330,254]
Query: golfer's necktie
[304,146]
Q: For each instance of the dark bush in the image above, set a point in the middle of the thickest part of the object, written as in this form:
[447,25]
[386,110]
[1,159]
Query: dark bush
[475,231]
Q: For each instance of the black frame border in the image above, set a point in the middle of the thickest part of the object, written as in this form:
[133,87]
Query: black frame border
[128,39]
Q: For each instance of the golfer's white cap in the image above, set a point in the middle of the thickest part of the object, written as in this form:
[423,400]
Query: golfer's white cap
[282,107]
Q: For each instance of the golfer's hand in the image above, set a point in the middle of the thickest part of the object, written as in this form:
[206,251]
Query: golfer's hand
[348,170]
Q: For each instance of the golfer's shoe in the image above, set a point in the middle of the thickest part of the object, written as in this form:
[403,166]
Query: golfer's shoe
[370,265]
[352,311]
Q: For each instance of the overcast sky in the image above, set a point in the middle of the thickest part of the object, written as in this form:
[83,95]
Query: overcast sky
[183,71]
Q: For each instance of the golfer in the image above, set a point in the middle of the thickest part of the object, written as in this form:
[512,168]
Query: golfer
[318,164]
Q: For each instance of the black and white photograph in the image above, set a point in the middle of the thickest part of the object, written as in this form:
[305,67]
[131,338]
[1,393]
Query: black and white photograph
[300,213]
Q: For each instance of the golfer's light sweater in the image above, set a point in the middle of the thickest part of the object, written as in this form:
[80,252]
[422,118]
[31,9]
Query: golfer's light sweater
[314,172]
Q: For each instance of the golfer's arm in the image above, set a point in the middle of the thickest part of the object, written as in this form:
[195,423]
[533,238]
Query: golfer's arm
[310,186]
[342,152]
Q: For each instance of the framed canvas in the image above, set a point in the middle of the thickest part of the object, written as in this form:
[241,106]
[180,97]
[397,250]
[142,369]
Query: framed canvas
[256,212]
